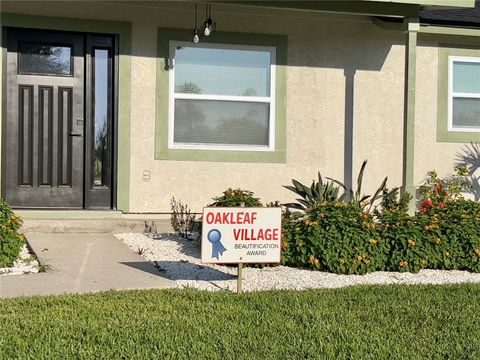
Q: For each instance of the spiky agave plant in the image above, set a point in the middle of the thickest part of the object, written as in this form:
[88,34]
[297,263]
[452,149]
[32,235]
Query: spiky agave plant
[316,193]
[364,201]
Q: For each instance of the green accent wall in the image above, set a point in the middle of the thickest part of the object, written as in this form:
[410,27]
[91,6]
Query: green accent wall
[162,152]
[443,135]
[124,30]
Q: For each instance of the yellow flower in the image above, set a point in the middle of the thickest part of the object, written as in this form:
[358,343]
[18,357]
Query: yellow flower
[368,261]
[438,241]
[297,229]
[342,261]
[403,264]
[359,258]
[448,253]
[411,243]
[477,251]
[313,260]
[373,241]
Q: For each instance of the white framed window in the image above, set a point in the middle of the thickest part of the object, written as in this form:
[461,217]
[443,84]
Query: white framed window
[221,97]
[463,94]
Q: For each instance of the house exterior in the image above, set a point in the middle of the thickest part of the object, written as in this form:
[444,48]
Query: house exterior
[111,106]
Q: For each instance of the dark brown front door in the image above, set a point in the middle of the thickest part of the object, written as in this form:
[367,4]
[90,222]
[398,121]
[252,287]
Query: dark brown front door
[58,120]
[45,120]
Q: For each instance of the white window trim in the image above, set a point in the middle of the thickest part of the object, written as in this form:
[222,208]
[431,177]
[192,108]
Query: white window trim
[172,96]
[452,94]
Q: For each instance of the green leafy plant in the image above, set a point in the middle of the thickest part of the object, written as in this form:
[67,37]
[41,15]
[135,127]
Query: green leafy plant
[11,240]
[437,192]
[346,238]
[334,236]
[237,197]
[317,192]
[182,219]
[43,266]
[357,196]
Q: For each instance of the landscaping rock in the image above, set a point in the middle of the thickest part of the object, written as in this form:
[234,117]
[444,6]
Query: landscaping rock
[179,260]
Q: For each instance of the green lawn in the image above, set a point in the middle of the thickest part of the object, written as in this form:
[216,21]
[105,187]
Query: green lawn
[367,322]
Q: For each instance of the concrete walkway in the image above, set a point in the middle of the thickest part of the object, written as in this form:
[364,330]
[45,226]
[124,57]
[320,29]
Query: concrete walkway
[83,263]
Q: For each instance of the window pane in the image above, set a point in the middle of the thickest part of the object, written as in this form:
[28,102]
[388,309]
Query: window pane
[222,71]
[466,77]
[221,122]
[101,155]
[466,112]
[42,59]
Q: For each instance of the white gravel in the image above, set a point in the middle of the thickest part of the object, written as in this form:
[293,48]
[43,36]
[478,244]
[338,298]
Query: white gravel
[25,264]
[179,259]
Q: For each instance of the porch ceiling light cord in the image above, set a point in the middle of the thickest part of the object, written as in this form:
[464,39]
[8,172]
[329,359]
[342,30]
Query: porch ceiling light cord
[209,24]
[196,38]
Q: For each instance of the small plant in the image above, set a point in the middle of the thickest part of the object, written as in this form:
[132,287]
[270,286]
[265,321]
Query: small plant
[310,196]
[43,267]
[327,191]
[182,218]
[392,202]
[356,196]
[437,192]
[141,251]
[237,197]
[11,240]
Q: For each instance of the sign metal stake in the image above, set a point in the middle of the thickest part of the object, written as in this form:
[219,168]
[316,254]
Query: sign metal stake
[240,268]
[239,278]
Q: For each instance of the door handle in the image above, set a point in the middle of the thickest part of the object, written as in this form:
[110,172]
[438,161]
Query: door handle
[75,134]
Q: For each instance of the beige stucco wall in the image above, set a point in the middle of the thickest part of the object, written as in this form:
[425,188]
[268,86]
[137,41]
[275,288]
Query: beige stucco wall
[429,153]
[321,50]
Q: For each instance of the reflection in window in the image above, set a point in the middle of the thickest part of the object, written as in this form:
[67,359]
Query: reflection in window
[45,60]
[101,153]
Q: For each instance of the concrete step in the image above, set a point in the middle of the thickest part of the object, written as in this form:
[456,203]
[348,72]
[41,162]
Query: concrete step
[95,225]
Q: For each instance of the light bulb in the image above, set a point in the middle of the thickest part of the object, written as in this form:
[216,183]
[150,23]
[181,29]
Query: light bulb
[196,38]
[206,32]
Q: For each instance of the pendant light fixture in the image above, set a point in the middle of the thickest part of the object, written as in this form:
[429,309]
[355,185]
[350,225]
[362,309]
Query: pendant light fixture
[209,23]
[196,38]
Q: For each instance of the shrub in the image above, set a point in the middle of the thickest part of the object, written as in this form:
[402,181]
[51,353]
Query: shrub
[237,197]
[326,190]
[333,236]
[11,240]
[182,219]
[341,238]
[436,191]
[323,190]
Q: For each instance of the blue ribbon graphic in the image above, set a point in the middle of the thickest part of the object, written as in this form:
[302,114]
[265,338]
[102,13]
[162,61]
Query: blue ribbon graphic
[214,236]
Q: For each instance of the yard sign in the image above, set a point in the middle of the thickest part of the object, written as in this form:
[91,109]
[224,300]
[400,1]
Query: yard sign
[241,235]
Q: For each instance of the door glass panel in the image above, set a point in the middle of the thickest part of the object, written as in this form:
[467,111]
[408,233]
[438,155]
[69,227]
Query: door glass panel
[101,153]
[41,59]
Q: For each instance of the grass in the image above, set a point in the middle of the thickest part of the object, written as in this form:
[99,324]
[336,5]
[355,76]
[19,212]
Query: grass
[366,322]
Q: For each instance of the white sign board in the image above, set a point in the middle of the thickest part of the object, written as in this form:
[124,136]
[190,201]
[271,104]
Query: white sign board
[241,235]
